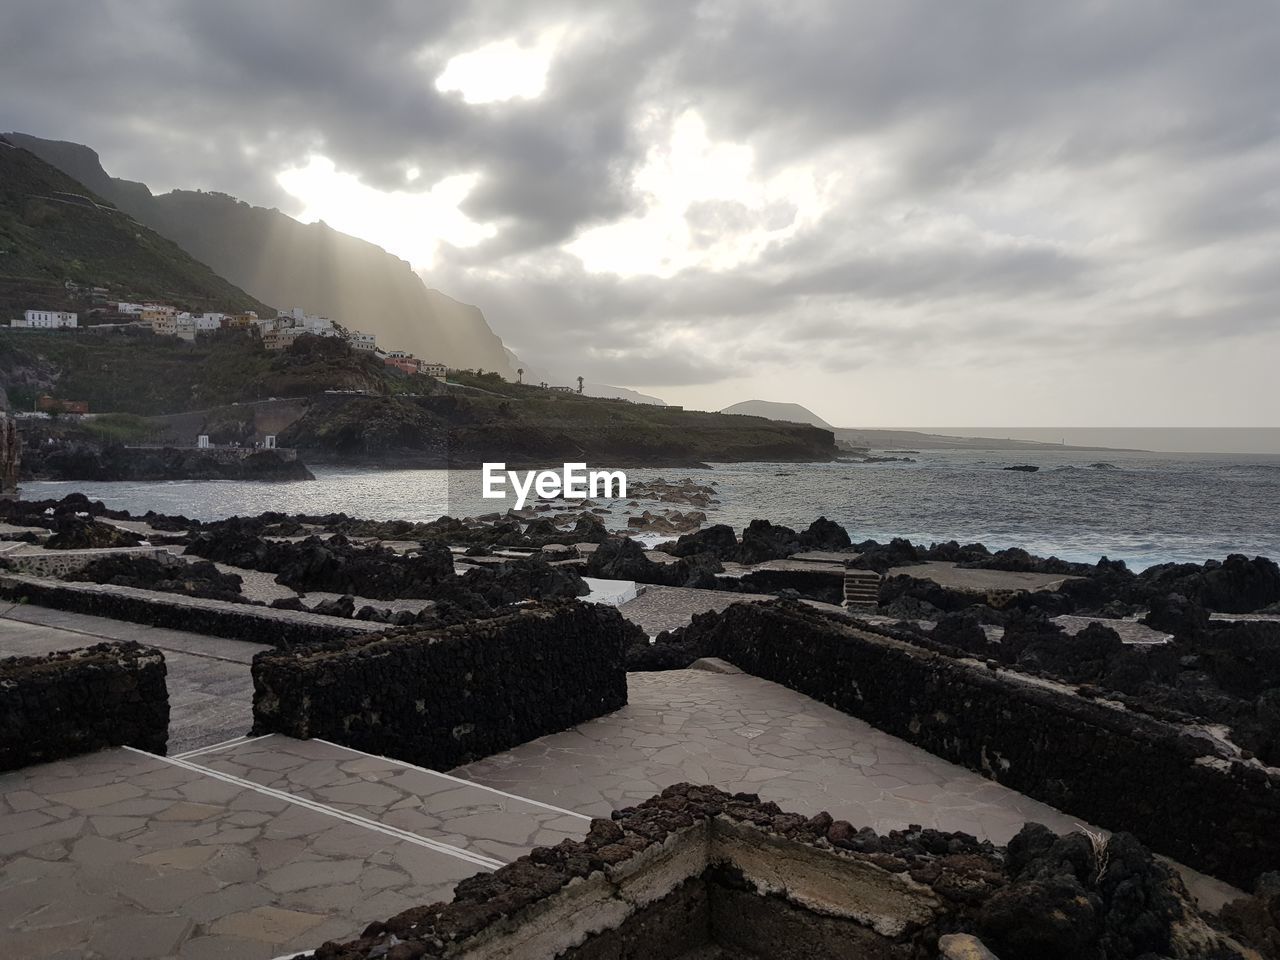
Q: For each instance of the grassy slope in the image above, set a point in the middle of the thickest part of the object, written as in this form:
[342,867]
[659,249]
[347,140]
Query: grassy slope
[45,240]
[491,420]
[140,373]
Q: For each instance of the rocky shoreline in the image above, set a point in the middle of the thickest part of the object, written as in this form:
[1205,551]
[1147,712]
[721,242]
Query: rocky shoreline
[63,460]
[1208,664]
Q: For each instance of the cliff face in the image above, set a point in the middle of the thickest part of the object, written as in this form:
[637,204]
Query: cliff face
[286,263]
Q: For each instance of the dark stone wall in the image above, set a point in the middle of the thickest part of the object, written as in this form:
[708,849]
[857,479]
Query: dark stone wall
[77,701]
[251,624]
[1117,768]
[441,697]
[748,924]
[671,928]
[1068,904]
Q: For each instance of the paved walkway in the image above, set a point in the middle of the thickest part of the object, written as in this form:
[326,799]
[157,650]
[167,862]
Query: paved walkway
[120,855]
[210,688]
[257,848]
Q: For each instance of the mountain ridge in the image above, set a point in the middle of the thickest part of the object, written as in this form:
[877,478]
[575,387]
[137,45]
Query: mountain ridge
[59,239]
[778,410]
[288,263]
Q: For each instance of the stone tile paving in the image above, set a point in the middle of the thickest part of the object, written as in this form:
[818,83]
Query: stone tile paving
[118,855]
[210,688]
[741,733]
[395,793]
[665,608]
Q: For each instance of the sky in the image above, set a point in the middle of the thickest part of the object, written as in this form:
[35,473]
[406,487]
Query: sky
[907,213]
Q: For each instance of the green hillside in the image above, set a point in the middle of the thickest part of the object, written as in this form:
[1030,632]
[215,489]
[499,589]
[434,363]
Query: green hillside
[53,229]
[527,425]
[138,372]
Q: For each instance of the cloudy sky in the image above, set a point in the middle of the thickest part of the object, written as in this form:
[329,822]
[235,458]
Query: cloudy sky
[906,213]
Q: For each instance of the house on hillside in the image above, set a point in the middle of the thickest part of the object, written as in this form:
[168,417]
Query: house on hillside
[362,341]
[403,364]
[47,319]
[282,338]
[437,370]
[240,321]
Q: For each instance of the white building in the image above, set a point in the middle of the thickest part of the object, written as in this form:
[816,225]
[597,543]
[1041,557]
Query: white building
[209,321]
[48,318]
[362,341]
[132,309]
[437,370]
[299,319]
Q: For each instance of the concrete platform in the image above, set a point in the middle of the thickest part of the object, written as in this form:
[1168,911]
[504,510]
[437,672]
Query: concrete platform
[947,574]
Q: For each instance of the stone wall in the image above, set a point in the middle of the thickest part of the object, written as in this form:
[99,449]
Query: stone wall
[38,562]
[280,628]
[696,872]
[76,701]
[441,697]
[1179,790]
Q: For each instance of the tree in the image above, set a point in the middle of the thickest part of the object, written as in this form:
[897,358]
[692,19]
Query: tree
[520,375]
[579,385]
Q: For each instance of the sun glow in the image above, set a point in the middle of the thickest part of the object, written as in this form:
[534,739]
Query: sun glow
[410,224]
[500,71]
[706,206]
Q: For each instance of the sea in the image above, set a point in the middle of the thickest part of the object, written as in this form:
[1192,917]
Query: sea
[1143,508]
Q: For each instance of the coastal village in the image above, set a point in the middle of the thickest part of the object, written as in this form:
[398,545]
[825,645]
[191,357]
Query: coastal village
[276,333]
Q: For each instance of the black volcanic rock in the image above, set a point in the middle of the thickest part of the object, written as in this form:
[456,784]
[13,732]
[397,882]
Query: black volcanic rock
[824,534]
[1234,585]
[624,559]
[763,541]
[1175,614]
[719,540]
[198,579]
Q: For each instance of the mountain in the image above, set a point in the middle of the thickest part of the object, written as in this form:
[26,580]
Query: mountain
[287,263]
[608,392]
[55,230]
[772,410]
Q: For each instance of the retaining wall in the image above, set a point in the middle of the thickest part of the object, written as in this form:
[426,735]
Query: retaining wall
[441,697]
[1180,791]
[237,621]
[77,701]
[56,563]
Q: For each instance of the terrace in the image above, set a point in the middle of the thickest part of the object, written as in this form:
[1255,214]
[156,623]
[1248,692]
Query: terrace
[265,846]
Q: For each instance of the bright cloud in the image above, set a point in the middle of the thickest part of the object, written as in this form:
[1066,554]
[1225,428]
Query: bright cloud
[706,206]
[499,71]
[411,224]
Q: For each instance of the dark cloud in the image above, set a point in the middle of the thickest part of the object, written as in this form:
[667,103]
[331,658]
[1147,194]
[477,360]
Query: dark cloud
[1012,180]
